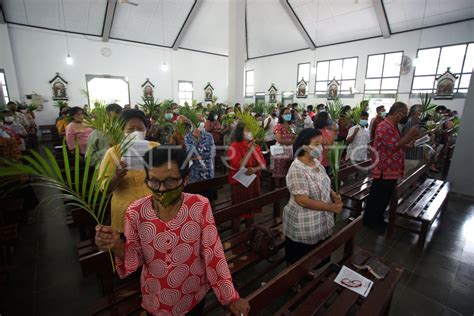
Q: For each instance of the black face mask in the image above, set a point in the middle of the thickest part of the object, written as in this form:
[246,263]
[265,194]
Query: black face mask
[404,120]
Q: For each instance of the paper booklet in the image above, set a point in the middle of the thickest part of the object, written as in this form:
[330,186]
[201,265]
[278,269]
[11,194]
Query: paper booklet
[244,179]
[133,155]
[422,140]
[354,281]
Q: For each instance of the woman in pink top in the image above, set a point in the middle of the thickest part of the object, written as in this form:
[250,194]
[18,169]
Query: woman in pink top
[76,131]
[325,125]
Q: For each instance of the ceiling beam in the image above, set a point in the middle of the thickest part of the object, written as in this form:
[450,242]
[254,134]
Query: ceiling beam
[297,22]
[2,14]
[187,23]
[382,18]
[109,18]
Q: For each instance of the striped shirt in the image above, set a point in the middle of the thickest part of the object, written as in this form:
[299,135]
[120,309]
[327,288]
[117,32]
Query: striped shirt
[415,153]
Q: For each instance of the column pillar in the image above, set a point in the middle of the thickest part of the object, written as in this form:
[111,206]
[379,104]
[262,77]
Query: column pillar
[237,51]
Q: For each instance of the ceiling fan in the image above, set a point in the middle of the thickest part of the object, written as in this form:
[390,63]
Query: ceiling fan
[128,2]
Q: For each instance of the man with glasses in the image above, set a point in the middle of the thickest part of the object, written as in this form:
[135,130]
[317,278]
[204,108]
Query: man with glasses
[389,163]
[173,237]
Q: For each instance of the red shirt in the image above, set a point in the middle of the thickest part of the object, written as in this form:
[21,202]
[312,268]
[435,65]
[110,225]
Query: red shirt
[373,127]
[311,114]
[328,135]
[236,154]
[390,162]
[181,258]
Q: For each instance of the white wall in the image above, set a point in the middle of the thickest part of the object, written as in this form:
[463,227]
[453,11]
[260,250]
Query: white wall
[7,63]
[39,54]
[282,69]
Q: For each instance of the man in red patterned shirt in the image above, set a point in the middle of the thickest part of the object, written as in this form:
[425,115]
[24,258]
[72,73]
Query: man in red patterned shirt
[388,162]
[173,237]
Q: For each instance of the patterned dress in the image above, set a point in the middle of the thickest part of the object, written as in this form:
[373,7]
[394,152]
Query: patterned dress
[181,259]
[304,225]
[204,147]
[281,163]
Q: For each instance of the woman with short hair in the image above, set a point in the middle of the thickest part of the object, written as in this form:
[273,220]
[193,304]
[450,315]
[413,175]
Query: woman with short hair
[308,218]
[172,235]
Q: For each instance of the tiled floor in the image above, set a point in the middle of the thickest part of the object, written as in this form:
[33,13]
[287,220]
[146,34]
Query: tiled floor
[46,277]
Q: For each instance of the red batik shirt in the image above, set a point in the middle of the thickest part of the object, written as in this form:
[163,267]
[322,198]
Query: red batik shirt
[390,162]
[181,259]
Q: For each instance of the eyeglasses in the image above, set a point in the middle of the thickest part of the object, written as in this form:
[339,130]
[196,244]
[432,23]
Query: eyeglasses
[169,183]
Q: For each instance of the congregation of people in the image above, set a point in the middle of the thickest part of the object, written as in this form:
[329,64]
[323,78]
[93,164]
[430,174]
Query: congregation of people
[156,226]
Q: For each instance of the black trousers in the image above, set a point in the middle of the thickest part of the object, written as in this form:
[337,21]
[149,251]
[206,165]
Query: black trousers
[197,310]
[379,197]
[296,250]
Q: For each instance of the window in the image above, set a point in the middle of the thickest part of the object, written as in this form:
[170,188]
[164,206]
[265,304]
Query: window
[287,98]
[185,92]
[303,72]
[344,70]
[432,62]
[108,89]
[3,88]
[260,98]
[383,73]
[249,83]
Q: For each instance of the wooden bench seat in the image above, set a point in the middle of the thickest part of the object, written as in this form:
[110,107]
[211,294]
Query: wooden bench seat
[322,296]
[420,204]
[237,250]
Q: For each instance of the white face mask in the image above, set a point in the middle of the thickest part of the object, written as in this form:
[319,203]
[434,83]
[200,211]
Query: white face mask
[201,127]
[248,136]
[136,135]
[8,119]
[215,117]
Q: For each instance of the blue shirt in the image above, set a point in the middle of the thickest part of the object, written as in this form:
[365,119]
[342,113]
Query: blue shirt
[204,147]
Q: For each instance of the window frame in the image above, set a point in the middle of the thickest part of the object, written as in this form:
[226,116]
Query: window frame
[192,92]
[298,73]
[6,87]
[90,77]
[383,95]
[247,95]
[346,95]
[456,94]
[287,95]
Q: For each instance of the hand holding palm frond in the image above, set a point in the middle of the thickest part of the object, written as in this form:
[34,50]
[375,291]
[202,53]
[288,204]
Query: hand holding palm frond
[334,156]
[82,191]
[190,115]
[253,126]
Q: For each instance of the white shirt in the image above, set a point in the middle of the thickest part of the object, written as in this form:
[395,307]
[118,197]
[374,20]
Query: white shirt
[269,134]
[308,122]
[357,150]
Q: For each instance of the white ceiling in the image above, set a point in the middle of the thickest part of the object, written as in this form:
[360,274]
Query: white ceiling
[270,30]
[406,15]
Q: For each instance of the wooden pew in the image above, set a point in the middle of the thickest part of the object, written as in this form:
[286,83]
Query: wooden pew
[421,203]
[322,294]
[237,249]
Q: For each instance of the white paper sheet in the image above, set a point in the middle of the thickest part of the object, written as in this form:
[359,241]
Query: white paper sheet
[422,140]
[353,278]
[276,150]
[244,179]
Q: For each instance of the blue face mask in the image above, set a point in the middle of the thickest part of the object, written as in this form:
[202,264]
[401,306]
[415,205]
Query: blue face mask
[317,151]
[287,117]
[168,116]
[364,123]
[383,114]
[330,122]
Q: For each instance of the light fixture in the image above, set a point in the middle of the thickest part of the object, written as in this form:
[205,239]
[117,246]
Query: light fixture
[164,67]
[69,60]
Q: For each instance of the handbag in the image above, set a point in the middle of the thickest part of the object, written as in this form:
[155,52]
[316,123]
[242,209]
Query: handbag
[263,240]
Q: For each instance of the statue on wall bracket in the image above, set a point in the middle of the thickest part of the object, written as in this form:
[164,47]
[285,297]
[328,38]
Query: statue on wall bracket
[445,85]
[272,92]
[333,89]
[302,89]
[58,86]
[148,87]
[208,92]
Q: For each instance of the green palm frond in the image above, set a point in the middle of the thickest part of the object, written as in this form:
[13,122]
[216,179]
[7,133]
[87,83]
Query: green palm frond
[253,126]
[110,126]
[334,109]
[60,104]
[150,106]
[352,117]
[190,114]
[334,156]
[259,108]
[75,189]
[427,108]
